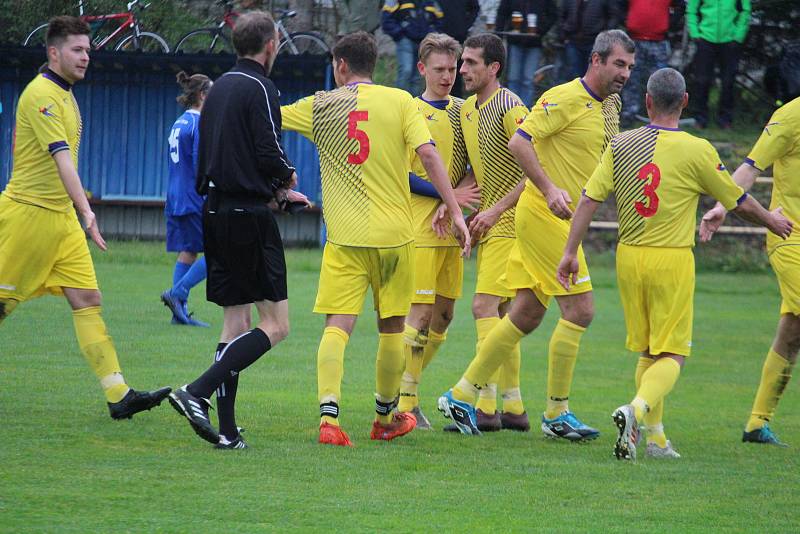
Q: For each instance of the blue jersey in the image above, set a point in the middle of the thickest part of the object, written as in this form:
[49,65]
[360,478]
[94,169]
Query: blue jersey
[184,137]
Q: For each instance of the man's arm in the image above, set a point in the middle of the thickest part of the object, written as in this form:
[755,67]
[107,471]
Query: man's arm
[750,210]
[568,267]
[265,123]
[558,200]
[744,176]
[484,220]
[72,184]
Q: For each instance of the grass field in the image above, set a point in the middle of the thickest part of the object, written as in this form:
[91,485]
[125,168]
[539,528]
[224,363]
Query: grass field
[66,466]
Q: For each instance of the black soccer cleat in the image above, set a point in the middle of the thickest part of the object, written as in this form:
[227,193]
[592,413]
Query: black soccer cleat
[195,409]
[236,443]
[136,401]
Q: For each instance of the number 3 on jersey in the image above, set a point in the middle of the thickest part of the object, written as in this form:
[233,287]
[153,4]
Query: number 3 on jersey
[652,173]
[359,135]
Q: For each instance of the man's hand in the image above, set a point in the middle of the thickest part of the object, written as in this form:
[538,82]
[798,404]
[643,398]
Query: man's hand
[90,223]
[711,222]
[567,270]
[468,195]
[441,222]
[483,221]
[292,181]
[780,225]
[558,201]
[462,235]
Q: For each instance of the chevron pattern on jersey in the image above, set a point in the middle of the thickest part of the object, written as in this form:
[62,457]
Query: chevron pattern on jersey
[612,106]
[345,203]
[458,164]
[631,151]
[80,121]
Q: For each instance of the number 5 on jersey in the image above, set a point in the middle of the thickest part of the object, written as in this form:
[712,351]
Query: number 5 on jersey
[359,135]
[652,172]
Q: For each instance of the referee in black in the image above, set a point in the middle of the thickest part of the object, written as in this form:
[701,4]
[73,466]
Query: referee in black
[242,168]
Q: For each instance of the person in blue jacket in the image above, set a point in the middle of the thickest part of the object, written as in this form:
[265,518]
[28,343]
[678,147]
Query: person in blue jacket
[184,205]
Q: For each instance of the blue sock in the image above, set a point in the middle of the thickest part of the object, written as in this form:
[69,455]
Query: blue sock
[195,275]
[179,272]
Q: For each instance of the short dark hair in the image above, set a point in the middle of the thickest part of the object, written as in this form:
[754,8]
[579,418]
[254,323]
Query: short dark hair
[494,51]
[252,31]
[666,87]
[360,50]
[193,86]
[62,27]
[606,40]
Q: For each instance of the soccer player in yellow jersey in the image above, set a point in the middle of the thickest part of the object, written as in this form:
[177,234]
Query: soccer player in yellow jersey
[657,174]
[42,245]
[778,146]
[558,146]
[364,133]
[439,267]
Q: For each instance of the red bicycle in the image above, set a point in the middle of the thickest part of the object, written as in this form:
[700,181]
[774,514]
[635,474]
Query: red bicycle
[134,38]
[217,39]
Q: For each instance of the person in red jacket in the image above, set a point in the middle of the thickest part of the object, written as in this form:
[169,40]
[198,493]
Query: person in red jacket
[647,22]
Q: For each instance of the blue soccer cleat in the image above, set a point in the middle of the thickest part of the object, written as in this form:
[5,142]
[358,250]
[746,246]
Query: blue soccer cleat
[569,427]
[462,413]
[176,307]
[763,435]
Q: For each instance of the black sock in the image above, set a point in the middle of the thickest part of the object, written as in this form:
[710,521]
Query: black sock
[226,401]
[236,357]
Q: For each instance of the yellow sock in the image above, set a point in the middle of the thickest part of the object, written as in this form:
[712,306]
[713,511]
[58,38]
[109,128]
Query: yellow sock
[487,398]
[330,368]
[561,357]
[652,419]
[509,383]
[388,371]
[495,349]
[775,375]
[435,340]
[656,383]
[98,349]
[414,343]
[465,391]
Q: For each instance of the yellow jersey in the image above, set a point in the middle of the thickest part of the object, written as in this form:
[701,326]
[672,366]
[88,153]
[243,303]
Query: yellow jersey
[570,127]
[657,176]
[48,121]
[363,133]
[444,122]
[487,130]
[779,146]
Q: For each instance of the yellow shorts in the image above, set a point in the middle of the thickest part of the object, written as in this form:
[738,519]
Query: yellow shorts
[656,285]
[491,265]
[439,271]
[41,251]
[347,272]
[533,262]
[785,260]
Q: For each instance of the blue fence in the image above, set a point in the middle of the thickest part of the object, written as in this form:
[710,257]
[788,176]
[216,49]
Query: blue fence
[127,102]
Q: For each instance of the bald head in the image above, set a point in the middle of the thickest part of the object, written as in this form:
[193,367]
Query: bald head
[667,88]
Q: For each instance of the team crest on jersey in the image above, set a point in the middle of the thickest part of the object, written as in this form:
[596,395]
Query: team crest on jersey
[588,105]
[766,128]
[720,167]
[547,105]
[431,117]
[469,115]
[45,110]
[520,120]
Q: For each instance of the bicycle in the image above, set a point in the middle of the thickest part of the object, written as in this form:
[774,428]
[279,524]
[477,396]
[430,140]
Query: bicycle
[138,40]
[216,39]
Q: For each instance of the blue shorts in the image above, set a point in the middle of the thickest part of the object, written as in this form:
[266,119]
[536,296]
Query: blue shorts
[185,233]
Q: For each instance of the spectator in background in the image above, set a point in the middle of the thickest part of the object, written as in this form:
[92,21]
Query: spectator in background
[647,22]
[719,28]
[581,21]
[358,15]
[408,23]
[459,16]
[525,49]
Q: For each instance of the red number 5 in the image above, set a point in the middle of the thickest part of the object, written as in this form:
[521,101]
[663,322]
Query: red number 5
[652,172]
[359,135]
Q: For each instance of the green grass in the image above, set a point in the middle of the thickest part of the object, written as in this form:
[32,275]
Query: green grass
[65,466]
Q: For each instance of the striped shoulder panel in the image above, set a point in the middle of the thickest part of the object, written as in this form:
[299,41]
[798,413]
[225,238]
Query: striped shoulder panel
[631,150]
[458,166]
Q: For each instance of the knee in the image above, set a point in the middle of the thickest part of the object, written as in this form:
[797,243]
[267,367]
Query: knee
[278,331]
[581,316]
[526,320]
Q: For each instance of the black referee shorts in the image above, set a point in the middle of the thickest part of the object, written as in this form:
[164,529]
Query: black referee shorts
[244,251]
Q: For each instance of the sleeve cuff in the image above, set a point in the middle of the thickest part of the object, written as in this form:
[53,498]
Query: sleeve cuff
[753,164]
[523,133]
[587,195]
[58,146]
[741,199]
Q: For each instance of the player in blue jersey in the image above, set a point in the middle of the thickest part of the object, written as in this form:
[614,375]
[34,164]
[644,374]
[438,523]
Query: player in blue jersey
[184,205]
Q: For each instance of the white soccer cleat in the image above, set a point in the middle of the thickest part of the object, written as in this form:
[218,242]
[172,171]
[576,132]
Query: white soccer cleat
[654,451]
[625,420]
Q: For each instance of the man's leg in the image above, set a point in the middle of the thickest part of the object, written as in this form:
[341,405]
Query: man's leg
[236,321]
[389,366]
[652,419]
[100,354]
[406,64]
[441,317]
[415,336]
[485,311]
[330,365]
[728,56]
[516,69]
[703,72]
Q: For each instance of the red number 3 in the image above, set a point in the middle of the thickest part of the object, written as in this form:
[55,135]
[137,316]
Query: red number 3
[652,172]
[359,135]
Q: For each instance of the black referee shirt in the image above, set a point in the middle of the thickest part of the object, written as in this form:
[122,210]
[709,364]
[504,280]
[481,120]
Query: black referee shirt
[240,134]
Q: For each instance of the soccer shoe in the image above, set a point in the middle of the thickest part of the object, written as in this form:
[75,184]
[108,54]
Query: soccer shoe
[333,435]
[195,409]
[402,424]
[486,422]
[136,401]
[236,443]
[654,451]
[175,306]
[569,427]
[763,435]
[514,421]
[462,413]
[625,419]
[195,322]
[422,421]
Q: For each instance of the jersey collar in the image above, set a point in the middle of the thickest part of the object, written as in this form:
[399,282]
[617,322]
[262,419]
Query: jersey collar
[591,93]
[56,79]
[249,64]
[438,104]
[655,127]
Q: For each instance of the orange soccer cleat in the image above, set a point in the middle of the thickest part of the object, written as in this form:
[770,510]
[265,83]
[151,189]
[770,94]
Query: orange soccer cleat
[333,435]
[402,424]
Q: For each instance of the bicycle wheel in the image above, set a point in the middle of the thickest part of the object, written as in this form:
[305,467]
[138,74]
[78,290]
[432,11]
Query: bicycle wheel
[303,43]
[204,41]
[148,42]
[37,36]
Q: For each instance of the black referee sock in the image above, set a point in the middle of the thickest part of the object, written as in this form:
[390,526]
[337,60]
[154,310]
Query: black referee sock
[235,358]
[226,401]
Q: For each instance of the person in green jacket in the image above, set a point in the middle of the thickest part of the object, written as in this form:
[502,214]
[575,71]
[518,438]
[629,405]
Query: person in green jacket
[719,28]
